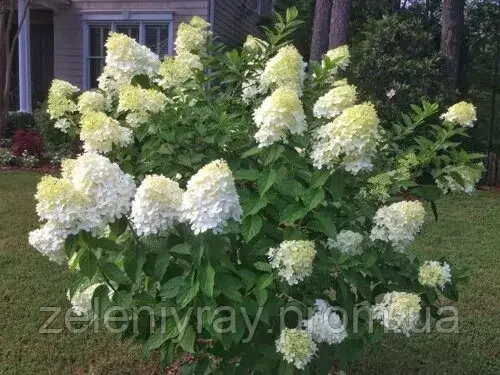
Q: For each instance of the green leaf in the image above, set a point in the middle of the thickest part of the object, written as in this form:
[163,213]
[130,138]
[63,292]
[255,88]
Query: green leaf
[88,263]
[172,287]
[261,296]
[161,264]
[253,151]
[251,226]
[159,337]
[323,223]
[182,248]
[246,174]
[207,274]
[188,339]
[263,266]
[319,178]
[291,14]
[189,294]
[112,272]
[313,198]
[134,259]
[285,368]
[266,180]
[292,213]
[264,281]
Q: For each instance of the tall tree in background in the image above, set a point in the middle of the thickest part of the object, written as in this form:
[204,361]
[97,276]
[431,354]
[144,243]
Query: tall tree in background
[321,29]
[7,48]
[339,23]
[452,29]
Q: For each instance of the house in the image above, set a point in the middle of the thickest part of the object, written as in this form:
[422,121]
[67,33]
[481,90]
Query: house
[65,38]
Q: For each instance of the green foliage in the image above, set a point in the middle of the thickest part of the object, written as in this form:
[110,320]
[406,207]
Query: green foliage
[19,120]
[58,145]
[397,52]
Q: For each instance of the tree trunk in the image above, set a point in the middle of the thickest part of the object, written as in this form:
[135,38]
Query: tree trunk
[339,23]
[452,29]
[319,42]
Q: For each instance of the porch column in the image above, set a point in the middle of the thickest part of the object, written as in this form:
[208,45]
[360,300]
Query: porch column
[24,51]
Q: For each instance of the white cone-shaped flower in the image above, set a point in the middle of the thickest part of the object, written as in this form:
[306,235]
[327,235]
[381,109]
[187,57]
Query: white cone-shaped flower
[103,182]
[325,325]
[211,198]
[398,312]
[349,141]
[398,224]
[293,260]
[49,240]
[462,113]
[296,346]
[335,101]
[100,132]
[280,113]
[347,242]
[434,274]
[285,69]
[156,206]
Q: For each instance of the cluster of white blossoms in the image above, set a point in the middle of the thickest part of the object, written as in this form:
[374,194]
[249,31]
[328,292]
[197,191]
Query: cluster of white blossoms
[280,113]
[398,223]
[340,56]
[60,103]
[293,260]
[92,192]
[140,103]
[210,199]
[325,325]
[100,133]
[434,274]
[110,190]
[58,201]
[125,58]
[175,71]
[285,69]
[470,177]
[335,101]
[192,36]
[398,312]
[92,101]
[347,242]
[49,240]
[349,141]
[296,346]
[462,113]
[156,206]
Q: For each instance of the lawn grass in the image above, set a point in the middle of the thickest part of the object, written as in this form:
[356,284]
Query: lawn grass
[468,233]
[28,281]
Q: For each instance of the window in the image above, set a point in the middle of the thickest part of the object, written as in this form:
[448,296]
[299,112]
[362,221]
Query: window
[151,29]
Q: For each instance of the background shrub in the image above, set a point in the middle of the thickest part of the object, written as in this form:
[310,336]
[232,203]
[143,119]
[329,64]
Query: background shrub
[55,140]
[19,120]
[397,53]
[27,142]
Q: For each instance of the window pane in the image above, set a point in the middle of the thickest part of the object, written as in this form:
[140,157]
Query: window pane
[156,38]
[130,30]
[97,39]
[95,69]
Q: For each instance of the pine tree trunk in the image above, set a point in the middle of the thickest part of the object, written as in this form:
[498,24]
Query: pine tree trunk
[339,23]
[320,31]
[452,29]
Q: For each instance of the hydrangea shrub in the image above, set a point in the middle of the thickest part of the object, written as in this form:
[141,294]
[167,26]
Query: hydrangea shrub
[238,179]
